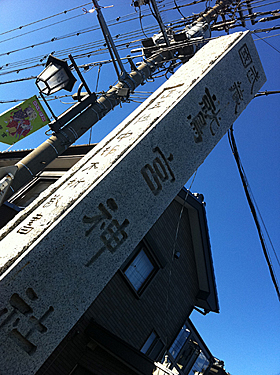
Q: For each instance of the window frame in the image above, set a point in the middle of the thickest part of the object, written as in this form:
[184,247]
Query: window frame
[149,351]
[179,341]
[143,245]
[27,189]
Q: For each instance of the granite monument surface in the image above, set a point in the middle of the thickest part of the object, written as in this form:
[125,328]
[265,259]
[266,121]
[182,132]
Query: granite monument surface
[59,253]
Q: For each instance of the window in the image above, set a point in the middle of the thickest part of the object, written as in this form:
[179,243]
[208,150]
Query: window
[179,341]
[153,346]
[30,195]
[140,269]
[188,352]
[31,191]
[200,365]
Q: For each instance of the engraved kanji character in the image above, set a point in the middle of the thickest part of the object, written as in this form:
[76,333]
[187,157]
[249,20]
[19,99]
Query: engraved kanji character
[124,135]
[110,150]
[158,172]
[20,323]
[92,165]
[209,110]
[245,55]
[167,92]
[53,200]
[112,237]
[103,215]
[143,118]
[197,124]
[252,76]
[237,94]
[74,183]
[156,105]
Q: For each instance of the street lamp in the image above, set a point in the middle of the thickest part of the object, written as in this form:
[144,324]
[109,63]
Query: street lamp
[56,76]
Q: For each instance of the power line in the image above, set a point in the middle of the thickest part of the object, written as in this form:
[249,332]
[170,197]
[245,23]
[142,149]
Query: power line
[253,207]
[32,31]
[233,22]
[265,41]
[142,95]
[76,33]
[100,43]
[18,80]
[87,49]
[43,19]
[262,93]
[119,20]
[277,27]
[7,69]
[178,8]
[109,22]
[130,17]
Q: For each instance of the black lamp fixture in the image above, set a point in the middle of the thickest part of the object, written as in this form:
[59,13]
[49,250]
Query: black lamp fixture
[56,76]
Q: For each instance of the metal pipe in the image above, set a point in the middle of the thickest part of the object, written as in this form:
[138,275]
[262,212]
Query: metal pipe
[79,73]
[161,25]
[207,17]
[110,42]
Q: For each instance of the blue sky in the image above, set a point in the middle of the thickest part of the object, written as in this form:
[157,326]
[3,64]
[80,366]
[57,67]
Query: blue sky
[246,333]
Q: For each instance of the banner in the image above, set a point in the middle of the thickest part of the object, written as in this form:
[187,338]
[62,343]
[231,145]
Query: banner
[22,120]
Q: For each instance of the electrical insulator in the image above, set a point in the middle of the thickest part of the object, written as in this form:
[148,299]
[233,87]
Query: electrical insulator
[138,3]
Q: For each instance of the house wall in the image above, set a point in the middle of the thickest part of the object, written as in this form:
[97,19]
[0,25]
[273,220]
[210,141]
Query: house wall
[163,306]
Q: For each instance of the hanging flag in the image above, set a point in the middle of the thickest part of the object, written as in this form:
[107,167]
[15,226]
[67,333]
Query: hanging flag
[22,120]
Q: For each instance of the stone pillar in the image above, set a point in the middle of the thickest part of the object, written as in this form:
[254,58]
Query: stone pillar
[58,254]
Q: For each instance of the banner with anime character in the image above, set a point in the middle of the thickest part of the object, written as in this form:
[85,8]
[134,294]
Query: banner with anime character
[22,120]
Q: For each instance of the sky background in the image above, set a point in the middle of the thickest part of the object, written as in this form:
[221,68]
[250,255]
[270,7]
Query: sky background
[246,333]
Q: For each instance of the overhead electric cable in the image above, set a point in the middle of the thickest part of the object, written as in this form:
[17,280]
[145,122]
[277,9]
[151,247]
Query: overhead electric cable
[121,46]
[262,93]
[86,30]
[173,255]
[233,23]
[277,27]
[250,200]
[55,39]
[262,5]
[61,53]
[141,24]
[41,28]
[18,80]
[43,19]
[178,8]
[270,45]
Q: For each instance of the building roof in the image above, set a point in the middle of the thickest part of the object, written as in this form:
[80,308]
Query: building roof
[207,298]
[64,161]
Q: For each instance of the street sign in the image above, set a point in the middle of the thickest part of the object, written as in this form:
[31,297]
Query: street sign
[58,255]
